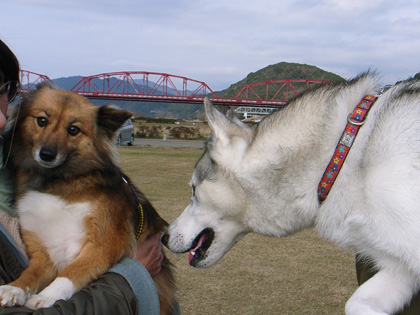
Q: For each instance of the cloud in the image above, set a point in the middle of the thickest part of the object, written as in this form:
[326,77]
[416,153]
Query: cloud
[218,42]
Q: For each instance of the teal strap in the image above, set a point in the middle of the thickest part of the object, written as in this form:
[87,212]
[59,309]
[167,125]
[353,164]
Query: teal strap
[141,283]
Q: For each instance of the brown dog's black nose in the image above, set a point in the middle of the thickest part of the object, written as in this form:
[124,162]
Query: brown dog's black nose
[47,155]
[165,239]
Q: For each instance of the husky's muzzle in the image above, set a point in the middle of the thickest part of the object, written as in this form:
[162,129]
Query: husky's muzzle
[198,248]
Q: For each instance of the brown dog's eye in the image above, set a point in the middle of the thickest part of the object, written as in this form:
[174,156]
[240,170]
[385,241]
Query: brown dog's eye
[42,121]
[73,130]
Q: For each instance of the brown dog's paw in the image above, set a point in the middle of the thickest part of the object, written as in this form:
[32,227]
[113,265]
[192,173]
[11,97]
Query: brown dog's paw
[11,296]
[38,301]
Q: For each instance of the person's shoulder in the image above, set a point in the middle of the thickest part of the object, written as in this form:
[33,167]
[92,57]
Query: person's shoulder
[141,283]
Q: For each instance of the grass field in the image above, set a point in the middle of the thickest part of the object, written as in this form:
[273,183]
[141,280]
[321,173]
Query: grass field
[300,274]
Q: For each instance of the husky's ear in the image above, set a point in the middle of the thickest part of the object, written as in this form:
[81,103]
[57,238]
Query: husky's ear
[234,118]
[111,118]
[224,128]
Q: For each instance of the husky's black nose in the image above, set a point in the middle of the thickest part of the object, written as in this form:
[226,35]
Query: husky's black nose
[165,239]
[47,155]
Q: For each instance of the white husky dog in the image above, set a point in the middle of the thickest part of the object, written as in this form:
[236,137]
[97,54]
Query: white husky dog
[264,179]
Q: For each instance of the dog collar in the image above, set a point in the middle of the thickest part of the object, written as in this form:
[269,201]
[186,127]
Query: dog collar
[354,121]
[140,213]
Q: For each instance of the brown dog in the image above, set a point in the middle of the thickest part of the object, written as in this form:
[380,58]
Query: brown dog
[78,212]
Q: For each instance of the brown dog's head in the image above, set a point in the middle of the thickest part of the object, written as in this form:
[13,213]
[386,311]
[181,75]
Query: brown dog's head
[59,132]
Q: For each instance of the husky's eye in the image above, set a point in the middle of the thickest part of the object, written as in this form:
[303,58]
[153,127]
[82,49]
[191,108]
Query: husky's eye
[42,121]
[73,130]
[193,190]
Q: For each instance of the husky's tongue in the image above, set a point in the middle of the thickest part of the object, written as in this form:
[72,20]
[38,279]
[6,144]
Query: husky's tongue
[201,244]
[193,250]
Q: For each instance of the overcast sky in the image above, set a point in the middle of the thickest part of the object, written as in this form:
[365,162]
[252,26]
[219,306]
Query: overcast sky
[215,41]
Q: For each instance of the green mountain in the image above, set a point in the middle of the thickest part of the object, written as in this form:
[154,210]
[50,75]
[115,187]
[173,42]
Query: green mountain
[279,71]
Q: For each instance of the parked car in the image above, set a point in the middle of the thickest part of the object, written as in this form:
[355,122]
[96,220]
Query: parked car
[126,133]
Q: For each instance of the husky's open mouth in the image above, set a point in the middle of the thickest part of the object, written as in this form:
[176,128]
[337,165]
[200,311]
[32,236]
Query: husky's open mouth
[200,246]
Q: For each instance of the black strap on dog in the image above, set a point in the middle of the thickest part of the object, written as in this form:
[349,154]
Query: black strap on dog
[140,213]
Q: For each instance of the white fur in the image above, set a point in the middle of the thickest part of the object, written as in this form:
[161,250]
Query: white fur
[59,225]
[60,289]
[11,296]
[265,180]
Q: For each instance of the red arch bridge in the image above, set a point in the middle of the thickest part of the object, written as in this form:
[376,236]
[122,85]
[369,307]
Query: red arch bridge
[162,87]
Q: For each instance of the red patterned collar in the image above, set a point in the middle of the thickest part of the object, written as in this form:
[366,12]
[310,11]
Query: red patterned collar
[354,121]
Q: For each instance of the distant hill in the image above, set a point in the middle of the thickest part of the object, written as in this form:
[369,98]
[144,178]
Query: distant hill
[282,70]
[279,71]
[67,83]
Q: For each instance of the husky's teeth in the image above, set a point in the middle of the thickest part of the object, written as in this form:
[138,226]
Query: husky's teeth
[193,253]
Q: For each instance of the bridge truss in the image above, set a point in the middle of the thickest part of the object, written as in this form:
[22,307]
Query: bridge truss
[277,92]
[29,79]
[145,86]
[162,87]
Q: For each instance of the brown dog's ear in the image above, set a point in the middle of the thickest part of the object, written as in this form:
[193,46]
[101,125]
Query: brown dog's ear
[111,118]
[45,85]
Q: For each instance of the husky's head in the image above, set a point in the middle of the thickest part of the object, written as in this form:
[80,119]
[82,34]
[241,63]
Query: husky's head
[57,133]
[215,219]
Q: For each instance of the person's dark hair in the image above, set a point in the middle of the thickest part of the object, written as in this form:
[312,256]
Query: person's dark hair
[9,69]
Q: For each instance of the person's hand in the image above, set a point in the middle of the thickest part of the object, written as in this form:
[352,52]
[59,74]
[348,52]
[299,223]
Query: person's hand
[149,254]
